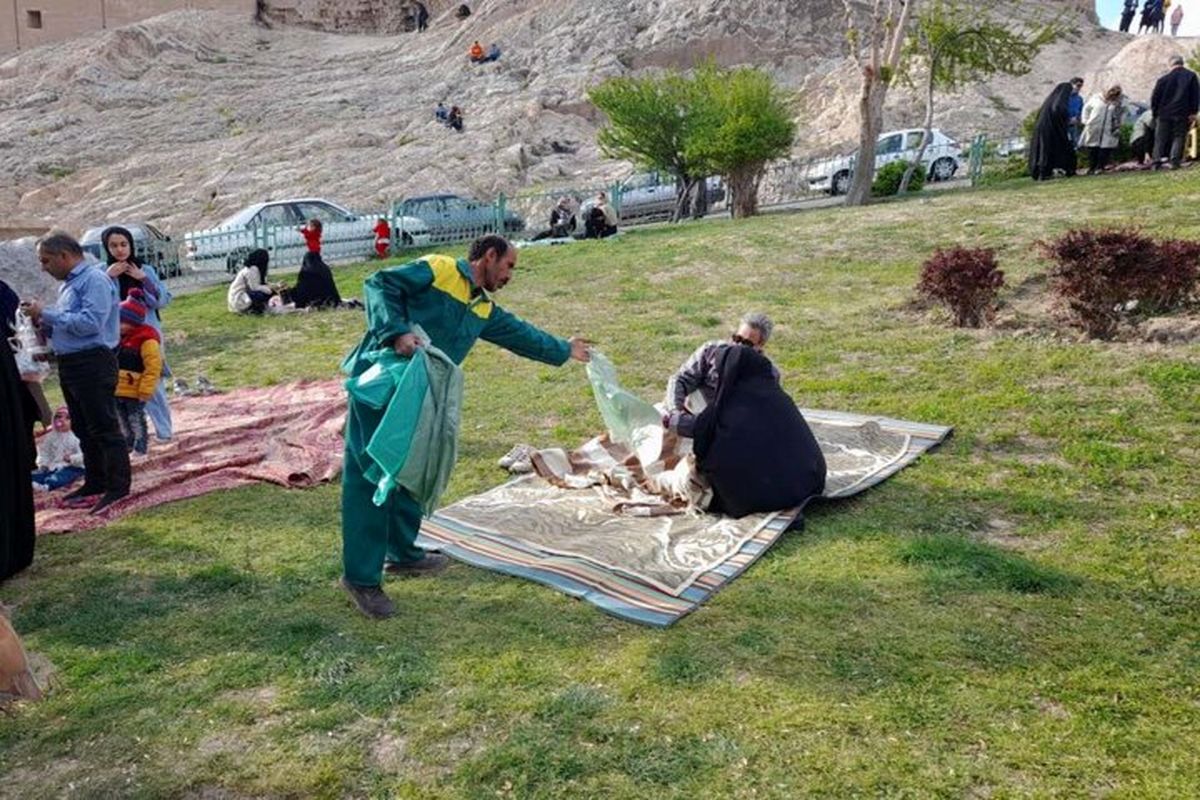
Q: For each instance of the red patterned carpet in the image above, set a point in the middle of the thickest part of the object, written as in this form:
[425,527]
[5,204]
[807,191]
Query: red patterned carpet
[287,435]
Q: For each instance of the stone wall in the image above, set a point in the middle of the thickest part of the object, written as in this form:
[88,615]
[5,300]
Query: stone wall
[352,16]
[29,23]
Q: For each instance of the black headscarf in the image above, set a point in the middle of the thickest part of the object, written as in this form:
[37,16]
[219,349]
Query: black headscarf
[1051,147]
[124,282]
[8,309]
[259,258]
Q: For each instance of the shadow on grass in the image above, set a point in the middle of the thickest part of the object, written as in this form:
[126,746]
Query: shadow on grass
[965,563]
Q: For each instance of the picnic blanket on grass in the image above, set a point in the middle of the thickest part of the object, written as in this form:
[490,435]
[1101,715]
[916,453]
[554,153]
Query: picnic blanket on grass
[653,568]
[289,435]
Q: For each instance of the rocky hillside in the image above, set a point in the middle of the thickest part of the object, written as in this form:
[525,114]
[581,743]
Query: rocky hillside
[188,116]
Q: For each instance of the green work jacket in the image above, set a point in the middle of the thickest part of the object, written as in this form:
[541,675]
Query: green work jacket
[438,293]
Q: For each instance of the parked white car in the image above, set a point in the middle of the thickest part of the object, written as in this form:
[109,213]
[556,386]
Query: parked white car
[275,225]
[942,159]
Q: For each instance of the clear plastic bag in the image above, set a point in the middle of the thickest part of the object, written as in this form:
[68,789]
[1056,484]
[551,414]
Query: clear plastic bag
[26,346]
[630,420]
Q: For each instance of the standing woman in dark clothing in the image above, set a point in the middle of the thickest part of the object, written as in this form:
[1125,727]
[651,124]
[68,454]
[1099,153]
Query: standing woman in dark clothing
[1050,147]
[130,273]
[16,462]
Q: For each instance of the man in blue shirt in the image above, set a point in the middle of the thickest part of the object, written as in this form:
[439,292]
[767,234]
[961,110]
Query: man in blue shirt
[83,331]
[1075,110]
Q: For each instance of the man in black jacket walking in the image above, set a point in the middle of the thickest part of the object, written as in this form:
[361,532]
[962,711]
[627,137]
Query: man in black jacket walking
[1175,101]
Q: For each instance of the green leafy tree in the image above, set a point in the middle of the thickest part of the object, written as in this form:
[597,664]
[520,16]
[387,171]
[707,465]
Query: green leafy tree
[712,122]
[744,121]
[650,120]
[958,43]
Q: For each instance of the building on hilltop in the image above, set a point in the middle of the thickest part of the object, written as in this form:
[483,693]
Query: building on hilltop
[29,23]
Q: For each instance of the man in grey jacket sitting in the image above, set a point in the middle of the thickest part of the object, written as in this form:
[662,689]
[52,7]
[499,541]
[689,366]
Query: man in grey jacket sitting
[699,373]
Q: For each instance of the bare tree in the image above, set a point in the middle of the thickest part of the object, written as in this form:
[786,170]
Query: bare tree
[876,49]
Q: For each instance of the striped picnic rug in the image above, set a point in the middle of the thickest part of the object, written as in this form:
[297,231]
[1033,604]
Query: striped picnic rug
[621,592]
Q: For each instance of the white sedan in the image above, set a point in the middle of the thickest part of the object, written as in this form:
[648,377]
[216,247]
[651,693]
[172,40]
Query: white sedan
[942,159]
[275,226]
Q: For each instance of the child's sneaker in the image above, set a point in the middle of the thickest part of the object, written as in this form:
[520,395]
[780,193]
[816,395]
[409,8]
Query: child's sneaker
[204,386]
[518,453]
[181,388]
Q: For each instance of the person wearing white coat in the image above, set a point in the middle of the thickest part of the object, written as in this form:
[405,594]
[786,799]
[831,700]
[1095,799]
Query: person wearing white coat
[1102,116]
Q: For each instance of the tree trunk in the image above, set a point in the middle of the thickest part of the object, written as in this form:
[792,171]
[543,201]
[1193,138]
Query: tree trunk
[699,198]
[916,162]
[870,110]
[683,197]
[743,190]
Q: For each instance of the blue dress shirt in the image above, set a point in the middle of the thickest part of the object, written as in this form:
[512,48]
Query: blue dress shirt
[87,313]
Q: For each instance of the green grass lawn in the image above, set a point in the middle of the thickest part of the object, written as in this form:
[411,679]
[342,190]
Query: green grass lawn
[1016,615]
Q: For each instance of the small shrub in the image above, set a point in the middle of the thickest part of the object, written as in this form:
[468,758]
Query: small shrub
[964,279]
[999,170]
[888,177]
[1097,272]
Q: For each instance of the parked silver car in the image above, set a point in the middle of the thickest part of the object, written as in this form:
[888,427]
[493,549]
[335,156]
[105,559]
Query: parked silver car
[150,246]
[651,195]
[275,225]
[942,159]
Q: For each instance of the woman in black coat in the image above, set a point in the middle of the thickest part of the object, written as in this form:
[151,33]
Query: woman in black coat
[752,443]
[1051,147]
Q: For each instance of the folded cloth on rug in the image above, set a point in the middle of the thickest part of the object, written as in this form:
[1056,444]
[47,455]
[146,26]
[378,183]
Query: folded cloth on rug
[752,443]
[649,570]
[289,435]
[416,443]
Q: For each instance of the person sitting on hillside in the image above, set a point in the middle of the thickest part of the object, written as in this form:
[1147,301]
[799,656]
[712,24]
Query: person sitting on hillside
[493,53]
[462,12]
[249,293]
[455,120]
[699,373]
[601,220]
[442,114]
[420,16]
[476,53]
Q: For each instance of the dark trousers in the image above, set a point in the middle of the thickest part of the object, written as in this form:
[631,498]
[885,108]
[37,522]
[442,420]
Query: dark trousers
[259,301]
[89,380]
[1098,158]
[131,414]
[1169,135]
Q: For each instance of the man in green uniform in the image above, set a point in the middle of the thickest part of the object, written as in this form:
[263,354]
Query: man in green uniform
[451,301]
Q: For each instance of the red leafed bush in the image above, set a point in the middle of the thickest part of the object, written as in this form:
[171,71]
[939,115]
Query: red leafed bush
[1097,272]
[965,280]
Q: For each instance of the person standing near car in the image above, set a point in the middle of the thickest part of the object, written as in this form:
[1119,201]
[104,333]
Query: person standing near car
[82,327]
[1175,102]
[129,272]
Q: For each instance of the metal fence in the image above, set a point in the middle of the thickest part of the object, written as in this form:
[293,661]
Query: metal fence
[214,255]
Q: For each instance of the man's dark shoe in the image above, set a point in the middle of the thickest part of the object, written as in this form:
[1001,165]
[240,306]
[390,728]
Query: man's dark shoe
[431,563]
[107,499]
[370,600]
[84,491]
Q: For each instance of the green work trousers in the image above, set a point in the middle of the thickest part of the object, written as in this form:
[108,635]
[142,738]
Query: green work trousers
[372,534]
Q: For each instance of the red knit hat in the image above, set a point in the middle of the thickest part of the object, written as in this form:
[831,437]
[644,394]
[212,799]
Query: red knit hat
[133,310]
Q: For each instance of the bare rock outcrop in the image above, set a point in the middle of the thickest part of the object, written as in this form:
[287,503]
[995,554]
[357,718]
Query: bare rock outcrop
[186,117]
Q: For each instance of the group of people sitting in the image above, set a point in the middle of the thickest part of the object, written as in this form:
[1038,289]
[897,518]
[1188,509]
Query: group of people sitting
[1066,122]
[251,293]
[599,221]
[478,55]
[451,117]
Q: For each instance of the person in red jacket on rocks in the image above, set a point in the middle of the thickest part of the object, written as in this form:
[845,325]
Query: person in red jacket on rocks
[383,238]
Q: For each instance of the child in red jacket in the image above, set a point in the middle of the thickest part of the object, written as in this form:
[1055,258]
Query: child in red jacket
[383,238]
[312,235]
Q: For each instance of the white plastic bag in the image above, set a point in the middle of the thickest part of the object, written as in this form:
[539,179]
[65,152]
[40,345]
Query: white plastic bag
[26,346]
